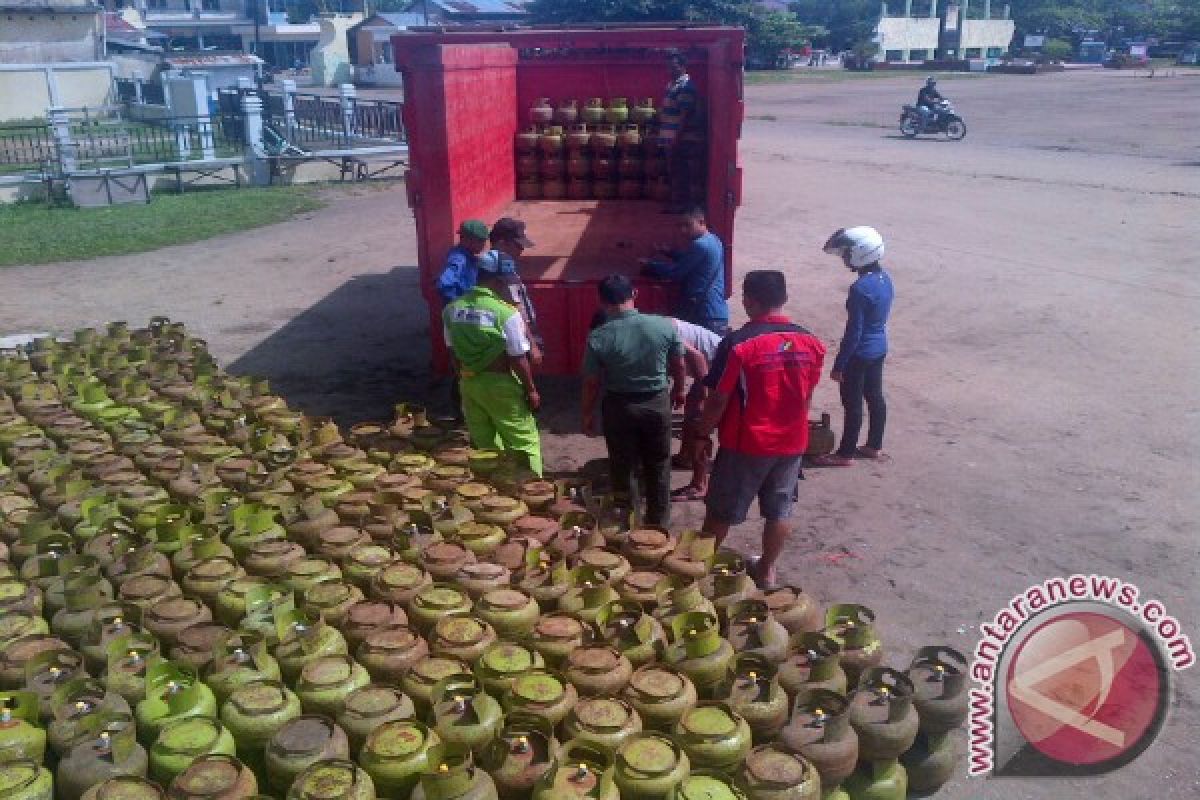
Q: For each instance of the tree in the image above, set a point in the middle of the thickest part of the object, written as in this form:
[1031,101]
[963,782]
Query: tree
[767,32]
[1058,50]
[845,23]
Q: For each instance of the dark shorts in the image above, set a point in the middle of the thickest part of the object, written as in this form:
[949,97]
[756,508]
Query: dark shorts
[738,478]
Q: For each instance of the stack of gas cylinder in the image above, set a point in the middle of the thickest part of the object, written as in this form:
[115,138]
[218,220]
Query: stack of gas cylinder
[206,595]
[598,151]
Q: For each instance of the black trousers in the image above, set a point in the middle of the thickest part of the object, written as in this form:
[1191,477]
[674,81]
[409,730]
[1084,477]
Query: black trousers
[637,431]
[863,380]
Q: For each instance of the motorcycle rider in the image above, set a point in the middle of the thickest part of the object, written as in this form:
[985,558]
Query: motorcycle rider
[927,99]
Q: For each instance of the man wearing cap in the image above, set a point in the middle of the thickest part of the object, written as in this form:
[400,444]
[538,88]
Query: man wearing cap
[458,270]
[639,360]
[490,346]
[509,241]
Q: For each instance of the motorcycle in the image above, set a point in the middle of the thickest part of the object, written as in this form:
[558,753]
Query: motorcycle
[943,120]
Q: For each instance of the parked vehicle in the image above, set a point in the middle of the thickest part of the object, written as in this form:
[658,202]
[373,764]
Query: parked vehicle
[944,120]
[470,94]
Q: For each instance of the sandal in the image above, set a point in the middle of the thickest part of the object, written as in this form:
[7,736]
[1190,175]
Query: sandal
[831,460]
[873,454]
[685,494]
[759,581]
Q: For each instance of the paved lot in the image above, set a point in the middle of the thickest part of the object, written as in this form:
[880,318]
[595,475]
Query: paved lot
[1042,384]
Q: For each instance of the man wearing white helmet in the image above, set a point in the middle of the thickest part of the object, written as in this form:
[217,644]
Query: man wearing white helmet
[858,368]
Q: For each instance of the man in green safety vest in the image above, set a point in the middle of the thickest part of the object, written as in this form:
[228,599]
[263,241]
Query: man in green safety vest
[490,345]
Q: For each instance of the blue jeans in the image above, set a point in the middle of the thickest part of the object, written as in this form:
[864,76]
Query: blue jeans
[863,379]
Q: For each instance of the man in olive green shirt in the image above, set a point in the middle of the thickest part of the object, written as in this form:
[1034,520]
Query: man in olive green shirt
[639,358]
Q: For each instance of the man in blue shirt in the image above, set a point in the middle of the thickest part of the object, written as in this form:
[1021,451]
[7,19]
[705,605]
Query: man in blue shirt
[858,368]
[459,271]
[700,271]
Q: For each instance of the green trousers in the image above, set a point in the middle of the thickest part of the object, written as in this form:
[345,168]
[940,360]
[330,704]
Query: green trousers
[498,416]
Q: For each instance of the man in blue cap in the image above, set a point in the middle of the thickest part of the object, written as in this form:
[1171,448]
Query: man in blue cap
[459,273]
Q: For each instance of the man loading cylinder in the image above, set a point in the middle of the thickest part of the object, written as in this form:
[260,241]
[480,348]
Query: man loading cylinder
[490,346]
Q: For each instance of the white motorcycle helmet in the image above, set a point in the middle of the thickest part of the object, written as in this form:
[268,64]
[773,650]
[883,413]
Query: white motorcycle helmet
[859,246]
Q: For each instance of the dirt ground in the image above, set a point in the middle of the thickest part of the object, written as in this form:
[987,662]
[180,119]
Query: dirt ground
[1043,417]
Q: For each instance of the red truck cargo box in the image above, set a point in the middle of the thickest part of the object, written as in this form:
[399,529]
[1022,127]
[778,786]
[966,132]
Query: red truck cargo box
[468,93]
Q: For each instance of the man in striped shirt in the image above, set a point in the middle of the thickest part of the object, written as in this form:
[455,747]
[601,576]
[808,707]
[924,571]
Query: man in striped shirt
[681,133]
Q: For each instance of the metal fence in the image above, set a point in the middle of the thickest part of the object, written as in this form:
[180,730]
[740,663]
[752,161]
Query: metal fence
[318,121]
[25,147]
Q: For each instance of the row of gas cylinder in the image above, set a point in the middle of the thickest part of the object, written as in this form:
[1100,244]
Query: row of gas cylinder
[204,594]
[616,111]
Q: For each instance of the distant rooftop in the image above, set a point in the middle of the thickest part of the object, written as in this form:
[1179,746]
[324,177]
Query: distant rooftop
[482,7]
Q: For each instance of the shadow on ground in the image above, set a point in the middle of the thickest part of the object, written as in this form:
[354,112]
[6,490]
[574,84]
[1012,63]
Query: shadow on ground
[365,347]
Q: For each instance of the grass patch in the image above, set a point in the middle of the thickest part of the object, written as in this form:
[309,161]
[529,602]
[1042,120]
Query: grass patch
[34,233]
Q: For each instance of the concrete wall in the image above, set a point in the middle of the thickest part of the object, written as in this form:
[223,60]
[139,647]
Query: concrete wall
[985,33]
[42,38]
[908,33]
[27,90]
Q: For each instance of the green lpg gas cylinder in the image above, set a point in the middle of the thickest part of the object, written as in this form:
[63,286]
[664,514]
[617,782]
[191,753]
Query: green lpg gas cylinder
[609,563]
[511,612]
[238,661]
[649,766]
[303,637]
[173,692]
[639,585]
[699,652]
[579,771]
[557,634]
[939,675]
[47,671]
[752,629]
[812,664]
[771,773]
[597,670]
[125,787]
[461,636]
[704,784]
[183,741]
[18,653]
[661,695]
[589,592]
[434,602]
[463,714]
[128,657]
[299,744]
[452,775]
[714,736]
[107,749]
[677,595]
[882,714]
[25,779]
[482,577]
[878,780]
[326,680]
[369,616]
[931,761]
[636,634]
[419,682]
[520,755]
[214,777]
[542,694]
[395,754]
[20,736]
[502,663]
[604,722]
[794,609]
[755,694]
[370,706]
[853,627]
[82,595]
[727,582]
[398,583]
[389,653]
[217,581]
[75,701]
[335,779]
[820,731]
[254,712]
[333,600]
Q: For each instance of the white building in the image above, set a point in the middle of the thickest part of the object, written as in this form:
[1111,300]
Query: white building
[951,35]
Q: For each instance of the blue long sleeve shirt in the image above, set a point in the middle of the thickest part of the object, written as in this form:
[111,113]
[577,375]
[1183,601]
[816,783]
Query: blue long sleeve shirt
[459,274]
[867,308]
[700,271]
